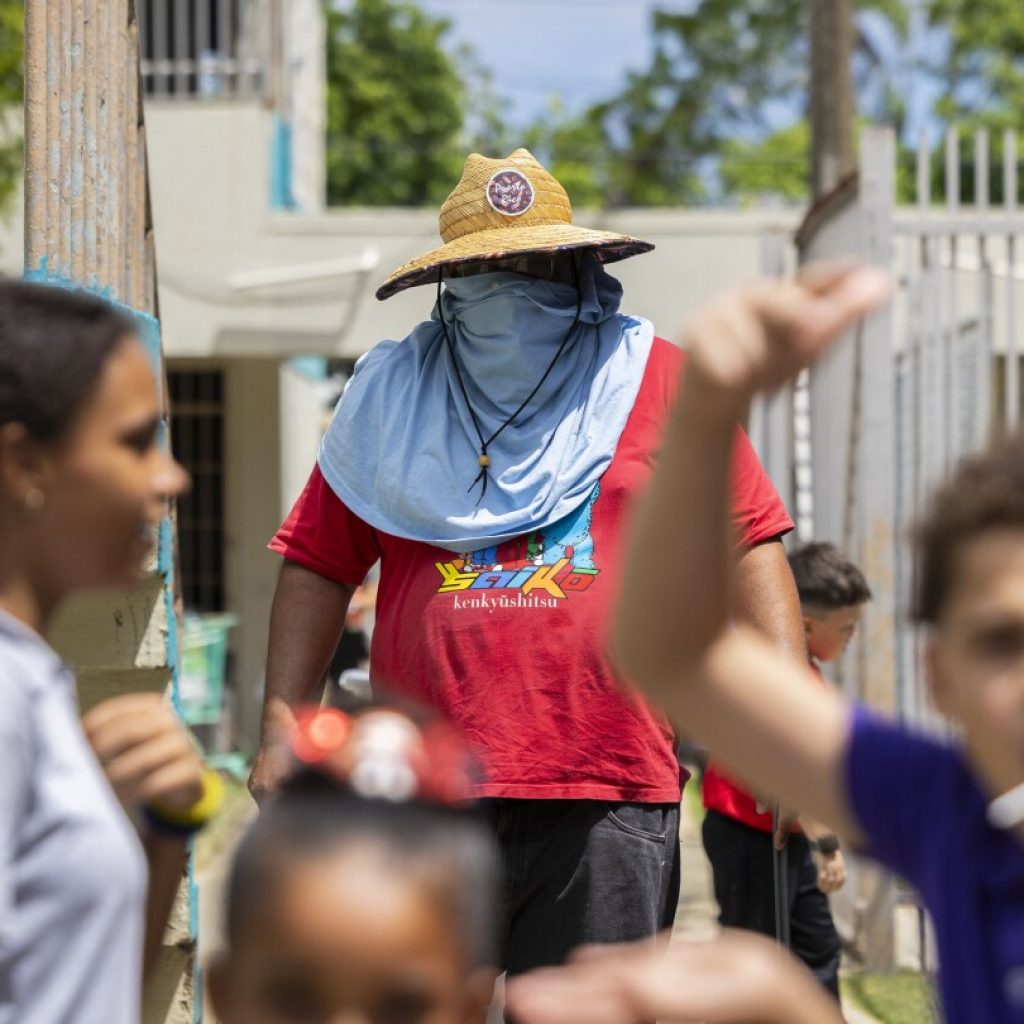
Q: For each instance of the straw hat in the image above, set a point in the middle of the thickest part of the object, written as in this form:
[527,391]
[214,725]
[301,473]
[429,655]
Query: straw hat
[505,207]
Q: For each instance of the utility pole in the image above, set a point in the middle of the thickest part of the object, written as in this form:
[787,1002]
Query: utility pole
[831,93]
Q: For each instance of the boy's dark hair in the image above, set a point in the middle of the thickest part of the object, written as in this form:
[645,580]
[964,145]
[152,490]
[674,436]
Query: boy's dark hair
[53,345]
[450,851]
[825,580]
[985,493]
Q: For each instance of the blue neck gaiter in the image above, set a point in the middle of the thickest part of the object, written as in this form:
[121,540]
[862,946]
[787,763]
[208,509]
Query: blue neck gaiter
[402,450]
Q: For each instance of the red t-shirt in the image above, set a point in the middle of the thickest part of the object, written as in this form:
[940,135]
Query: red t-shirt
[508,643]
[721,794]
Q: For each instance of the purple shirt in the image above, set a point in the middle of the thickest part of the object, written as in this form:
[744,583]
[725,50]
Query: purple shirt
[923,816]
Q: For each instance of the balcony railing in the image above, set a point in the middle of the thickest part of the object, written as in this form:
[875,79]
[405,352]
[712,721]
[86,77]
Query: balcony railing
[203,49]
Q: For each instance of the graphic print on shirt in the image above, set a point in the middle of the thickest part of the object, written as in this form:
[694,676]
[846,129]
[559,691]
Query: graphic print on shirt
[536,570]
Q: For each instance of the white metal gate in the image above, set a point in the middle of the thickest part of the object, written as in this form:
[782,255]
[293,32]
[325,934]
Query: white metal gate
[909,392]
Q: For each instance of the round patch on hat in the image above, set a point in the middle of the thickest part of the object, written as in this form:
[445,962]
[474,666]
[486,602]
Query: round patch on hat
[509,192]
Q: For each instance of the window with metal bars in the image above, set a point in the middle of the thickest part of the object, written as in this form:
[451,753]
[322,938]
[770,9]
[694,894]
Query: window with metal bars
[204,48]
[197,439]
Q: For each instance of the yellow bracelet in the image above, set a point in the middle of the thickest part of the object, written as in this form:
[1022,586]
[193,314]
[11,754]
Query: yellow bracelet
[193,818]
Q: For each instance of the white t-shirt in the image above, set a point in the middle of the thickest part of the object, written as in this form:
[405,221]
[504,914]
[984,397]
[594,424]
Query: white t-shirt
[73,874]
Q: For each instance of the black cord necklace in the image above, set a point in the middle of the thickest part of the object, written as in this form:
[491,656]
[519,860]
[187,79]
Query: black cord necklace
[484,459]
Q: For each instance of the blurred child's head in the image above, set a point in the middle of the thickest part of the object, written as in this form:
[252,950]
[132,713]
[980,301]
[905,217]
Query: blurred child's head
[970,591]
[343,907]
[832,590]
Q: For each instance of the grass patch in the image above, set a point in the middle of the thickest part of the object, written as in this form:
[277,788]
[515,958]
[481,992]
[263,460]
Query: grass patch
[892,998]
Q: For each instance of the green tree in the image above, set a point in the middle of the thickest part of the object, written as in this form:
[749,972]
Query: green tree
[574,149]
[396,104]
[12,46]
[774,168]
[983,71]
[722,77]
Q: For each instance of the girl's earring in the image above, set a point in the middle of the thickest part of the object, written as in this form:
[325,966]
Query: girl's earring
[34,500]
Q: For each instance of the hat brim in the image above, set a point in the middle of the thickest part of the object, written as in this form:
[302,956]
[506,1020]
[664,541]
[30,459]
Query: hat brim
[496,243]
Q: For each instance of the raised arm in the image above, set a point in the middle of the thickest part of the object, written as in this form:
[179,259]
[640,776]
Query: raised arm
[725,684]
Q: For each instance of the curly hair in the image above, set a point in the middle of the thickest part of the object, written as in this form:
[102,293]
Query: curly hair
[985,493]
[825,579]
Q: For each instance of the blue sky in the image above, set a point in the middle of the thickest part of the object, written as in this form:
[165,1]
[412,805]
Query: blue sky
[579,50]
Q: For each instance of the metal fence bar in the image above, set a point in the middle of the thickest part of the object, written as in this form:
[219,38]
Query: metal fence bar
[195,48]
[182,65]
[1012,382]
[985,355]
[161,51]
[201,42]
[953,307]
[994,227]
[923,174]
[224,46]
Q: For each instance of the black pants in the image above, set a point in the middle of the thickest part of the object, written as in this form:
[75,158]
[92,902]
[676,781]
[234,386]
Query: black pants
[741,859]
[583,871]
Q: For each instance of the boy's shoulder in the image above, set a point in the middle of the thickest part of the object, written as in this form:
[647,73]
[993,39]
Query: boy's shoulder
[910,791]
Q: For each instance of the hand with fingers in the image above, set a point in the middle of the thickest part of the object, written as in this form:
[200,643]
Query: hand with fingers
[145,752]
[758,337]
[737,978]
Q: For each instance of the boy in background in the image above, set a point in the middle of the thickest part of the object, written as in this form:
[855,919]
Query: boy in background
[737,829]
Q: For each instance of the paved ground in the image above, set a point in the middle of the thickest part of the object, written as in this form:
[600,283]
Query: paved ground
[696,918]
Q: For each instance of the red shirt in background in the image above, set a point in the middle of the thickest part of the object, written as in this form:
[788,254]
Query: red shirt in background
[721,794]
[508,642]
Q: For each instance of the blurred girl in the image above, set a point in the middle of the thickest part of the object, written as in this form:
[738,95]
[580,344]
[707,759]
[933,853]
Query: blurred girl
[364,892]
[83,484]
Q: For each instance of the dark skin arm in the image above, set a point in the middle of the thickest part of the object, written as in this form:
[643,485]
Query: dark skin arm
[765,597]
[306,620]
[167,858]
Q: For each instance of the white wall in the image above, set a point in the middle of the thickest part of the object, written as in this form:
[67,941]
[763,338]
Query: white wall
[305,100]
[252,512]
[303,421]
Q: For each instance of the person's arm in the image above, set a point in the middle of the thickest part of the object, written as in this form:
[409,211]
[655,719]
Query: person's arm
[761,711]
[148,758]
[306,620]
[167,858]
[733,980]
[767,599]
[829,859]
